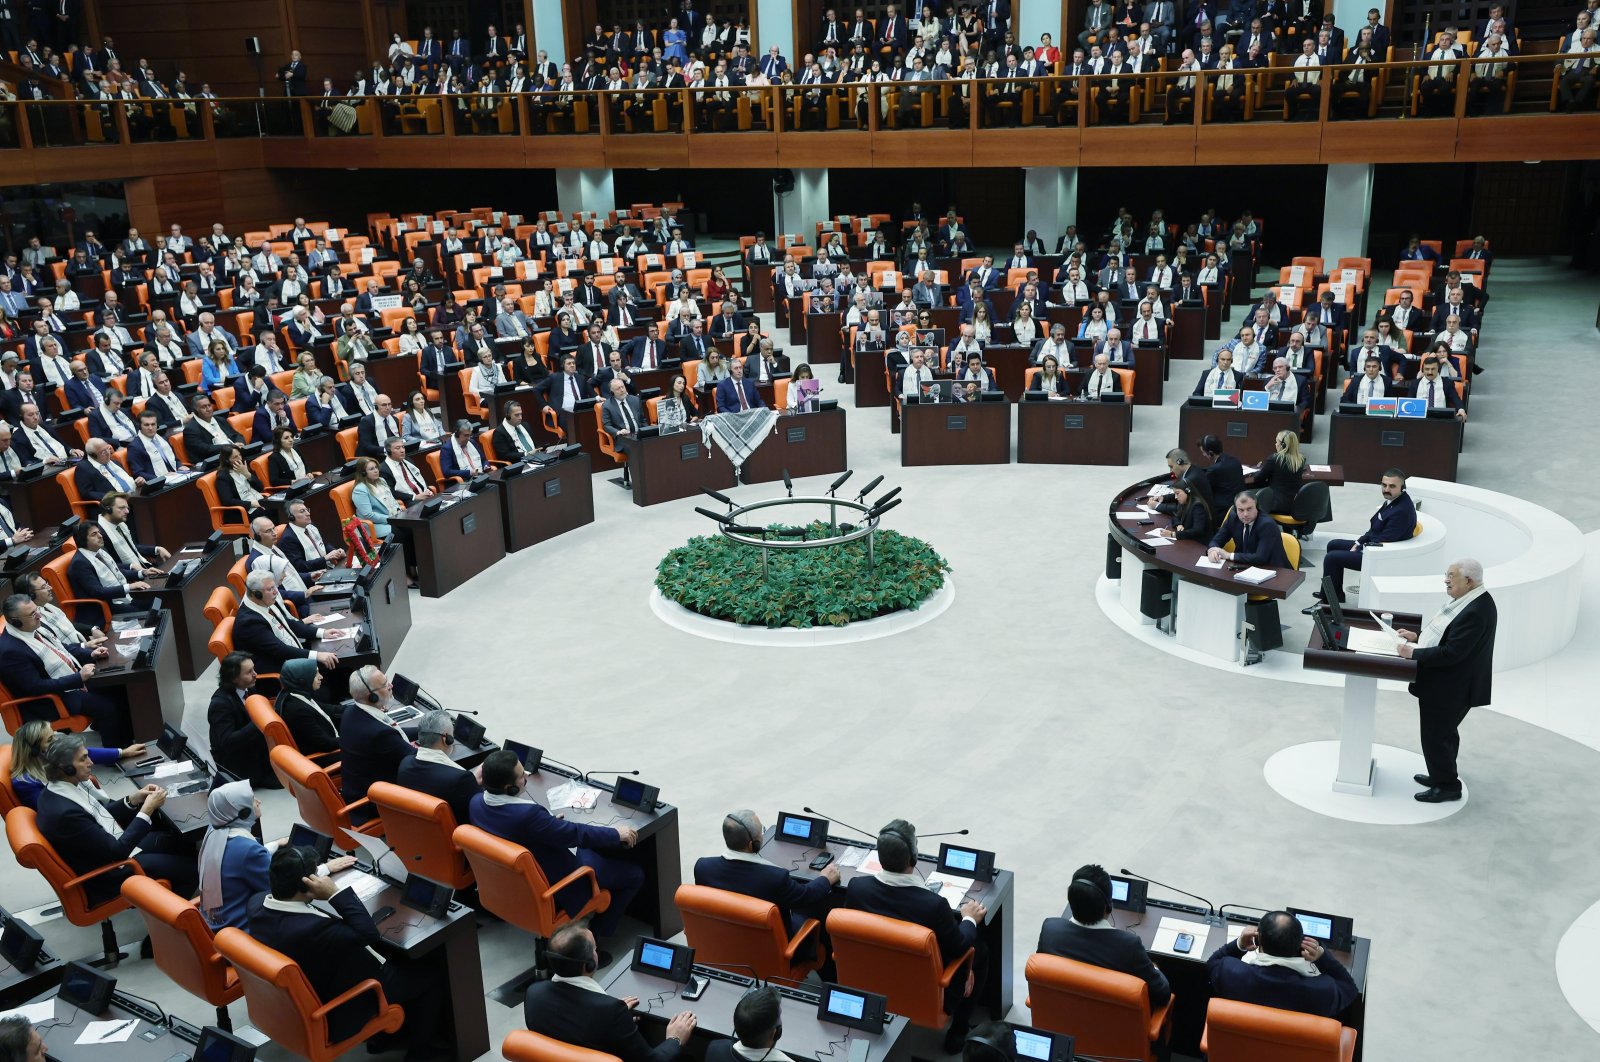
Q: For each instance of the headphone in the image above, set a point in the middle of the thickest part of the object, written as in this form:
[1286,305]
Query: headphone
[748,839]
[906,834]
[1095,887]
[361,676]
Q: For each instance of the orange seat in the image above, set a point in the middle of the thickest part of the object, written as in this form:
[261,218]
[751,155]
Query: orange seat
[343,502]
[512,886]
[421,828]
[607,441]
[55,573]
[525,1045]
[220,605]
[82,508]
[348,438]
[732,929]
[220,512]
[284,1006]
[896,959]
[1245,1032]
[321,806]
[11,714]
[1109,1012]
[267,720]
[221,642]
[183,946]
[8,795]
[31,850]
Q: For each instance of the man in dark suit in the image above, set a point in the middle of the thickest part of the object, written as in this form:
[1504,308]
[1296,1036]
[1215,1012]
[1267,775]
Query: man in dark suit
[95,574]
[1257,539]
[1455,668]
[573,1008]
[336,953]
[55,668]
[431,770]
[373,744]
[263,627]
[305,545]
[765,365]
[1088,936]
[1277,965]
[236,744]
[563,391]
[512,441]
[271,415]
[1395,521]
[623,416]
[100,473]
[77,821]
[757,1025]
[738,392]
[206,432]
[741,870]
[898,891]
[376,429]
[166,403]
[505,809]
[646,351]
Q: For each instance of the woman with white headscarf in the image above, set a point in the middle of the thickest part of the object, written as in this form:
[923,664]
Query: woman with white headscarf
[234,862]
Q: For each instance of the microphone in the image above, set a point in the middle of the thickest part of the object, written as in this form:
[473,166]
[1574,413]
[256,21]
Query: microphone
[947,833]
[869,488]
[887,497]
[584,778]
[881,508]
[718,495]
[720,518]
[575,772]
[836,484]
[755,975]
[746,529]
[1210,911]
[846,825]
[788,486]
[466,711]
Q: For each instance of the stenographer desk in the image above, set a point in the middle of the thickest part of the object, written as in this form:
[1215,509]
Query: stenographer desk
[1065,432]
[804,1036]
[996,931]
[871,386]
[805,444]
[546,500]
[677,465]
[1361,673]
[1208,612]
[955,433]
[38,500]
[171,514]
[1249,434]
[69,1023]
[388,605]
[396,375]
[656,851]
[1368,446]
[155,691]
[456,542]
[1190,979]
[450,943]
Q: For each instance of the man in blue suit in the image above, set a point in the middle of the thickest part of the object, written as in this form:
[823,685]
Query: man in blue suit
[1395,521]
[1277,965]
[741,870]
[1257,539]
[85,390]
[35,663]
[505,809]
[736,392]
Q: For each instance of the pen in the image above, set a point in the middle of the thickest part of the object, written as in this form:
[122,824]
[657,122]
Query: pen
[109,1033]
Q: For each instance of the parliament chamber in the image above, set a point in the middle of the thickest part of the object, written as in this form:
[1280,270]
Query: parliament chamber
[362,360]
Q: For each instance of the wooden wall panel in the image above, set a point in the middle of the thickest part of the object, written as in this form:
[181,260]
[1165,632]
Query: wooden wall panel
[203,38]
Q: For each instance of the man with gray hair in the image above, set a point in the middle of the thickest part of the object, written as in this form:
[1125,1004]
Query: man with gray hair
[740,869]
[1455,665]
[263,627]
[431,769]
[373,744]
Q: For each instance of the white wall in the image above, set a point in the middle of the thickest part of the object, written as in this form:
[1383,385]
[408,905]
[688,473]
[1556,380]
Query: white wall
[584,190]
[1347,211]
[1049,201]
[775,25]
[548,29]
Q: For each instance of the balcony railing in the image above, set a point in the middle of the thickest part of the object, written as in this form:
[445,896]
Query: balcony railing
[1463,104]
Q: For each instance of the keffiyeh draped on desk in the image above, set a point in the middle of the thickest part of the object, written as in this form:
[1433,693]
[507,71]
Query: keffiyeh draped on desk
[738,434]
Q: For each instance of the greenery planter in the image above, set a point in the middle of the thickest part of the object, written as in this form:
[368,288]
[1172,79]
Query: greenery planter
[825,587]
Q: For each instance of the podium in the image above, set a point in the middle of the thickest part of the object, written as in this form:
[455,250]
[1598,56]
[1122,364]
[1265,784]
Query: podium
[456,542]
[1361,673]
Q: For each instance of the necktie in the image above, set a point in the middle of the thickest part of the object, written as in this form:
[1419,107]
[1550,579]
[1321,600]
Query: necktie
[572,388]
[117,476]
[1430,394]
[411,480]
[738,385]
[627,415]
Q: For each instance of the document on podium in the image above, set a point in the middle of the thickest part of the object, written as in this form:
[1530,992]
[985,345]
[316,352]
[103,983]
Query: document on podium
[1167,935]
[1376,643]
[863,860]
[953,889]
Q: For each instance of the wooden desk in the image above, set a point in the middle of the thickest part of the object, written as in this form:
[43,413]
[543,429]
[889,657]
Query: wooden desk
[320,451]
[1249,435]
[39,501]
[1188,331]
[1073,433]
[804,1036]
[154,693]
[806,444]
[996,931]
[187,601]
[546,501]
[822,337]
[1009,363]
[960,433]
[452,402]
[171,515]
[457,542]
[1149,373]
[1367,446]
[396,376]
[319,499]
[758,286]
[871,388]
[589,439]
[387,605]
[1190,978]
[679,465]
